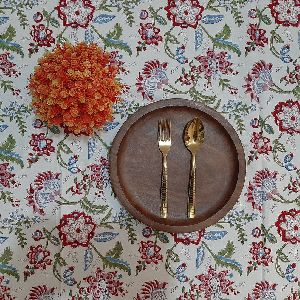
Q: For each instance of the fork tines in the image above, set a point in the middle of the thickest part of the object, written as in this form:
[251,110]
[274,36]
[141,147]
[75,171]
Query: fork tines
[164,130]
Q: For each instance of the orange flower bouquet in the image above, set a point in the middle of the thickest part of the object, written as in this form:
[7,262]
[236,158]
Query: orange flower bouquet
[75,87]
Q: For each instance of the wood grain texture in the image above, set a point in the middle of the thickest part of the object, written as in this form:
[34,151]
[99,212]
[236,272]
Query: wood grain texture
[135,166]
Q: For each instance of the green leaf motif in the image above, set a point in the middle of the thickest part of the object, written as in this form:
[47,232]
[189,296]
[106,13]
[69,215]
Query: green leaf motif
[296,91]
[9,270]
[6,256]
[129,15]
[240,123]
[278,146]
[228,263]
[6,197]
[6,42]
[283,257]
[52,239]
[269,129]
[163,237]
[210,6]
[112,39]
[224,33]
[271,238]
[228,251]
[238,19]
[22,19]
[118,44]
[54,129]
[277,37]
[7,154]
[116,251]
[170,38]
[224,83]
[112,259]
[198,96]
[9,34]
[266,20]
[227,45]
[6,85]
[131,233]
[115,33]
[154,14]
[50,19]
[91,207]
[114,263]
[21,237]
[9,144]
[173,256]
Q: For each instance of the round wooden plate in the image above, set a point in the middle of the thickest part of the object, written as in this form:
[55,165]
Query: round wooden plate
[135,166]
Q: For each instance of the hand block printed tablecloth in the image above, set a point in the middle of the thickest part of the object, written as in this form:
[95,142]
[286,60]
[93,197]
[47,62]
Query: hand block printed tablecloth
[63,234]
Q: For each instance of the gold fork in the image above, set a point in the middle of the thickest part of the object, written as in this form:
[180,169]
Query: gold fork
[164,144]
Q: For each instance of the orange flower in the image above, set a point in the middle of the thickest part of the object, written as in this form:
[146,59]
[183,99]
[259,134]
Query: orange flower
[75,87]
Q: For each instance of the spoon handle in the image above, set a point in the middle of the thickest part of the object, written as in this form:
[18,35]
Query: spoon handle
[192,189]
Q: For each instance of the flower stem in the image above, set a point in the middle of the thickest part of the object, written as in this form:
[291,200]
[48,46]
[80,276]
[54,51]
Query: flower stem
[102,142]
[98,33]
[279,90]
[272,47]
[96,250]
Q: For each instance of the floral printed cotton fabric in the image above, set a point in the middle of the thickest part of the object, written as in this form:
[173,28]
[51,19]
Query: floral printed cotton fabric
[63,234]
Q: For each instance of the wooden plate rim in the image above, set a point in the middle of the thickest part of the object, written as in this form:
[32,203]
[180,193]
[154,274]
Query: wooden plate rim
[175,102]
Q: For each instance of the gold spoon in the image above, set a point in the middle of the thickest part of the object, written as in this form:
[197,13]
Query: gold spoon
[193,138]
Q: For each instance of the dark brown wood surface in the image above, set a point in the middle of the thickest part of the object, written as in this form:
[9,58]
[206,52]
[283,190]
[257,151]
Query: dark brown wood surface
[135,166]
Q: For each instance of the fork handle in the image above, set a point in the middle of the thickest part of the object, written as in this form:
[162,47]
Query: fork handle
[192,189]
[164,189]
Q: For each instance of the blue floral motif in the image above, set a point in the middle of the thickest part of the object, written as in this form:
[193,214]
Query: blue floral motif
[212,19]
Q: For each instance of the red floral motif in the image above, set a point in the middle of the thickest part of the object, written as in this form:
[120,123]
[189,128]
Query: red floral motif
[6,177]
[287,116]
[38,17]
[263,290]
[44,190]
[257,37]
[41,145]
[103,285]
[152,290]
[294,186]
[286,12]
[39,257]
[261,143]
[80,187]
[100,174]
[288,226]
[41,292]
[42,35]
[293,74]
[184,13]
[214,284]
[76,13]
[262,188]
[152,78]
[5,291]
[187,296]
[294,296]
[150,252]
[6,66]
[76,229]
[259,79]
[189,237]
[150,34]
[260,254]
[212,64]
